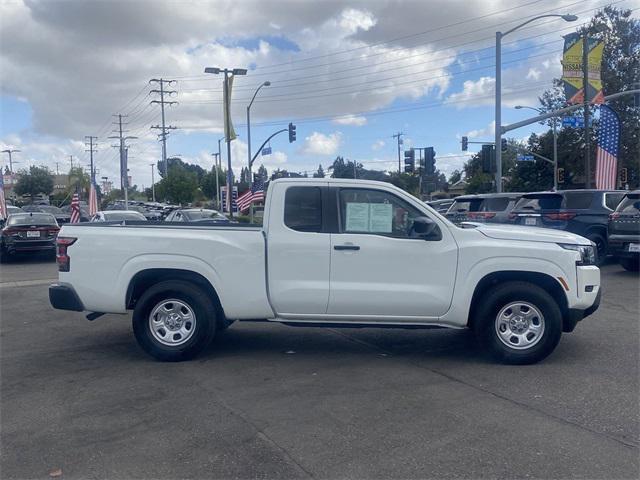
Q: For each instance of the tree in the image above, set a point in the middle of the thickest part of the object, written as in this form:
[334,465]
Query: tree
[208,183]
[180,187]
[6,170]
[319,173]
[349,169]
[455,177]
[79,181]
[34,181]
[262,173]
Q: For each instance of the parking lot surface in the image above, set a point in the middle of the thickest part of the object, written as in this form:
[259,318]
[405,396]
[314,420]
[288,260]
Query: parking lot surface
[269,401]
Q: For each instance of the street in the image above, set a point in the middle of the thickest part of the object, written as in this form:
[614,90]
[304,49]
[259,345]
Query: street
[270,401]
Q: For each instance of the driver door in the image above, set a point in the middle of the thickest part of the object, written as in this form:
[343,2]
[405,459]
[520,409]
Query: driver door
[379,269]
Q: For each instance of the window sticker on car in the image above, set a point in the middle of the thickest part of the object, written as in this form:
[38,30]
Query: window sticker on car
[380,217]
[357,217]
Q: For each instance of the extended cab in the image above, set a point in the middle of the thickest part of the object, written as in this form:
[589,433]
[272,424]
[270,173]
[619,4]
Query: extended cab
[332,252]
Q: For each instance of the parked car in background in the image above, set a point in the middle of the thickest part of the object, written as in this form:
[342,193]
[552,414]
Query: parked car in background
[118,216]
[459,210]
[441,206]
[10,210]
[196,215]
[34,232]
[84,212]
[494,207]
[624,232]
[61,216]
[584,212]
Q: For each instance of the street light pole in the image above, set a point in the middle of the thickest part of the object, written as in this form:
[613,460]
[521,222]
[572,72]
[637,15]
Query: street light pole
[554,121]
[216,156]
[227,122]
[10,151]
[220,167]
[153,183]
[265,84]
[498,90]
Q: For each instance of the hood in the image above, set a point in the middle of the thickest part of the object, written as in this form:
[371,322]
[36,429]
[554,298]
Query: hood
[530,234]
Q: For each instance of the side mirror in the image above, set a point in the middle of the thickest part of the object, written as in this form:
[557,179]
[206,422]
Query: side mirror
[424,227]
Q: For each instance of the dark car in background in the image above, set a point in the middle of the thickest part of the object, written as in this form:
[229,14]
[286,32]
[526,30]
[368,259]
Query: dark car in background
[458,212]
[584,212]
[624,232]
[61,216]
[29,232]
[196,215]
[84,212]
[118,216]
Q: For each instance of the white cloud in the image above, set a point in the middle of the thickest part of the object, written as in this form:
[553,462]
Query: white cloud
[320,144]
[352,120]
[489,130]
[377,145]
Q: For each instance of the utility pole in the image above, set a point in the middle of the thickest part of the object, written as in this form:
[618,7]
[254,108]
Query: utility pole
[220,160]
[71,162]
[91,151]
[57,171]
[153,183]
[216,157]
[399,137]
[585,101]
[124,152]
[165,128]
[10,151]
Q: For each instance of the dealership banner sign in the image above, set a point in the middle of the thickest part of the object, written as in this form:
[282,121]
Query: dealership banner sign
[572,69]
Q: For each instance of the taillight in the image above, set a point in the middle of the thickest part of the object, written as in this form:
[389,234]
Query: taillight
[484,215]
[614,216]
[64,262]
[513,216]
[563,216]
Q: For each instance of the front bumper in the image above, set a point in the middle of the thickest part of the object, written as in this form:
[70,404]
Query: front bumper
[64,297]
[574,315]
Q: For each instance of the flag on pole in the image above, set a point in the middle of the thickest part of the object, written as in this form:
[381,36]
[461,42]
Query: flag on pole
[93,199]
[3,201]
[607,152]
[254,194]
[75,209]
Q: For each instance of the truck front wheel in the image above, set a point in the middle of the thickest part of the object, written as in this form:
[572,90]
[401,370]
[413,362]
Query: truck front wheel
[174,320]
[519,323]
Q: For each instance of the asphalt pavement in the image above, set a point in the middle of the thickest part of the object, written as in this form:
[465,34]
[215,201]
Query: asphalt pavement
[80,399]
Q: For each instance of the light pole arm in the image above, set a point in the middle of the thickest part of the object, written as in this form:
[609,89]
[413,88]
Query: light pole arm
[265,142]
[529,21]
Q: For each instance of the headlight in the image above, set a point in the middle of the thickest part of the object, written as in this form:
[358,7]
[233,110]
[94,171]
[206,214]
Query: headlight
[587,253]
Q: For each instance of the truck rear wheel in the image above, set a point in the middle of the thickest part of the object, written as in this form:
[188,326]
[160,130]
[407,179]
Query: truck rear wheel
[519,323]
[174,320]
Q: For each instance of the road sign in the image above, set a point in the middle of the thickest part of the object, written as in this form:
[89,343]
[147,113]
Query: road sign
[524,158]
[266,151]
[575,122]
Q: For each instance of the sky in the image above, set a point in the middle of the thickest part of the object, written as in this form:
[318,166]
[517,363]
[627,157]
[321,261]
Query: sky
[350,74]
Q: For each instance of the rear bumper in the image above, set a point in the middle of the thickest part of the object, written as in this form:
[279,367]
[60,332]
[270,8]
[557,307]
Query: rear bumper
[64,297]
[619,245]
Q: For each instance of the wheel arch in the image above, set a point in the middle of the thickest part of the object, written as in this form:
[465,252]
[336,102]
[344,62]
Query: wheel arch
[543,280]
[145,279]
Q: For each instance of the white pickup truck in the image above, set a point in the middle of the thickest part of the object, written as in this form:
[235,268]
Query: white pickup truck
[334,253]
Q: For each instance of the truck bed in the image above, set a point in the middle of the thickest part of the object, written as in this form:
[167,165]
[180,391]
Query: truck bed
[112,253]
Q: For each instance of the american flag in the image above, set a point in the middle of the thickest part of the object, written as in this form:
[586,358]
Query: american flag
[3,201]
[75,209]
[254,194]
[607,153]
[93,199]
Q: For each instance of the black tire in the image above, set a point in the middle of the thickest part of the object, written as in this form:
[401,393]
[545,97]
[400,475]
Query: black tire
[601,246]
[630,264]
[224,324]
[500,297]
[193,297]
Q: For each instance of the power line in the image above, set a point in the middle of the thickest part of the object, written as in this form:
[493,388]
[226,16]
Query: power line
[164,127]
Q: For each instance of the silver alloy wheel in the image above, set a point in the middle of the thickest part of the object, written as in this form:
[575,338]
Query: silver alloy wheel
[519,325]
[172,322]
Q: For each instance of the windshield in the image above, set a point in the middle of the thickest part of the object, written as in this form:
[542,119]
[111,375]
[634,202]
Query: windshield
[195,215]
[539,202]
[32,219]
[119,216]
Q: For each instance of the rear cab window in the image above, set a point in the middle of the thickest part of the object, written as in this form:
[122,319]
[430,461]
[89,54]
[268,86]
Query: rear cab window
[611,200]
[578,200]
[465,205]
[539,202]
[32,219]
[303,209]
[495,204]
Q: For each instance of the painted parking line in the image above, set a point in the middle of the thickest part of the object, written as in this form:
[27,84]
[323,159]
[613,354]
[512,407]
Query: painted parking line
[28,283]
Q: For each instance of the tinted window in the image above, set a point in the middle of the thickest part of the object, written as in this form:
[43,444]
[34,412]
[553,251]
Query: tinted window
[629,205]
[496,204]
[471,205]
[375,211]
[578,200]
[611,200]
[117,217]
[33,219]
[303,209]
[539,202]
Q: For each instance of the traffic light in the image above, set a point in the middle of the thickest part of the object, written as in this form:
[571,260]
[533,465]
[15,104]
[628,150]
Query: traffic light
[487,157]
[465,144]
[409,161]
[503,144]
[292,133]
[623,176]
[429,161]
[561,175]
